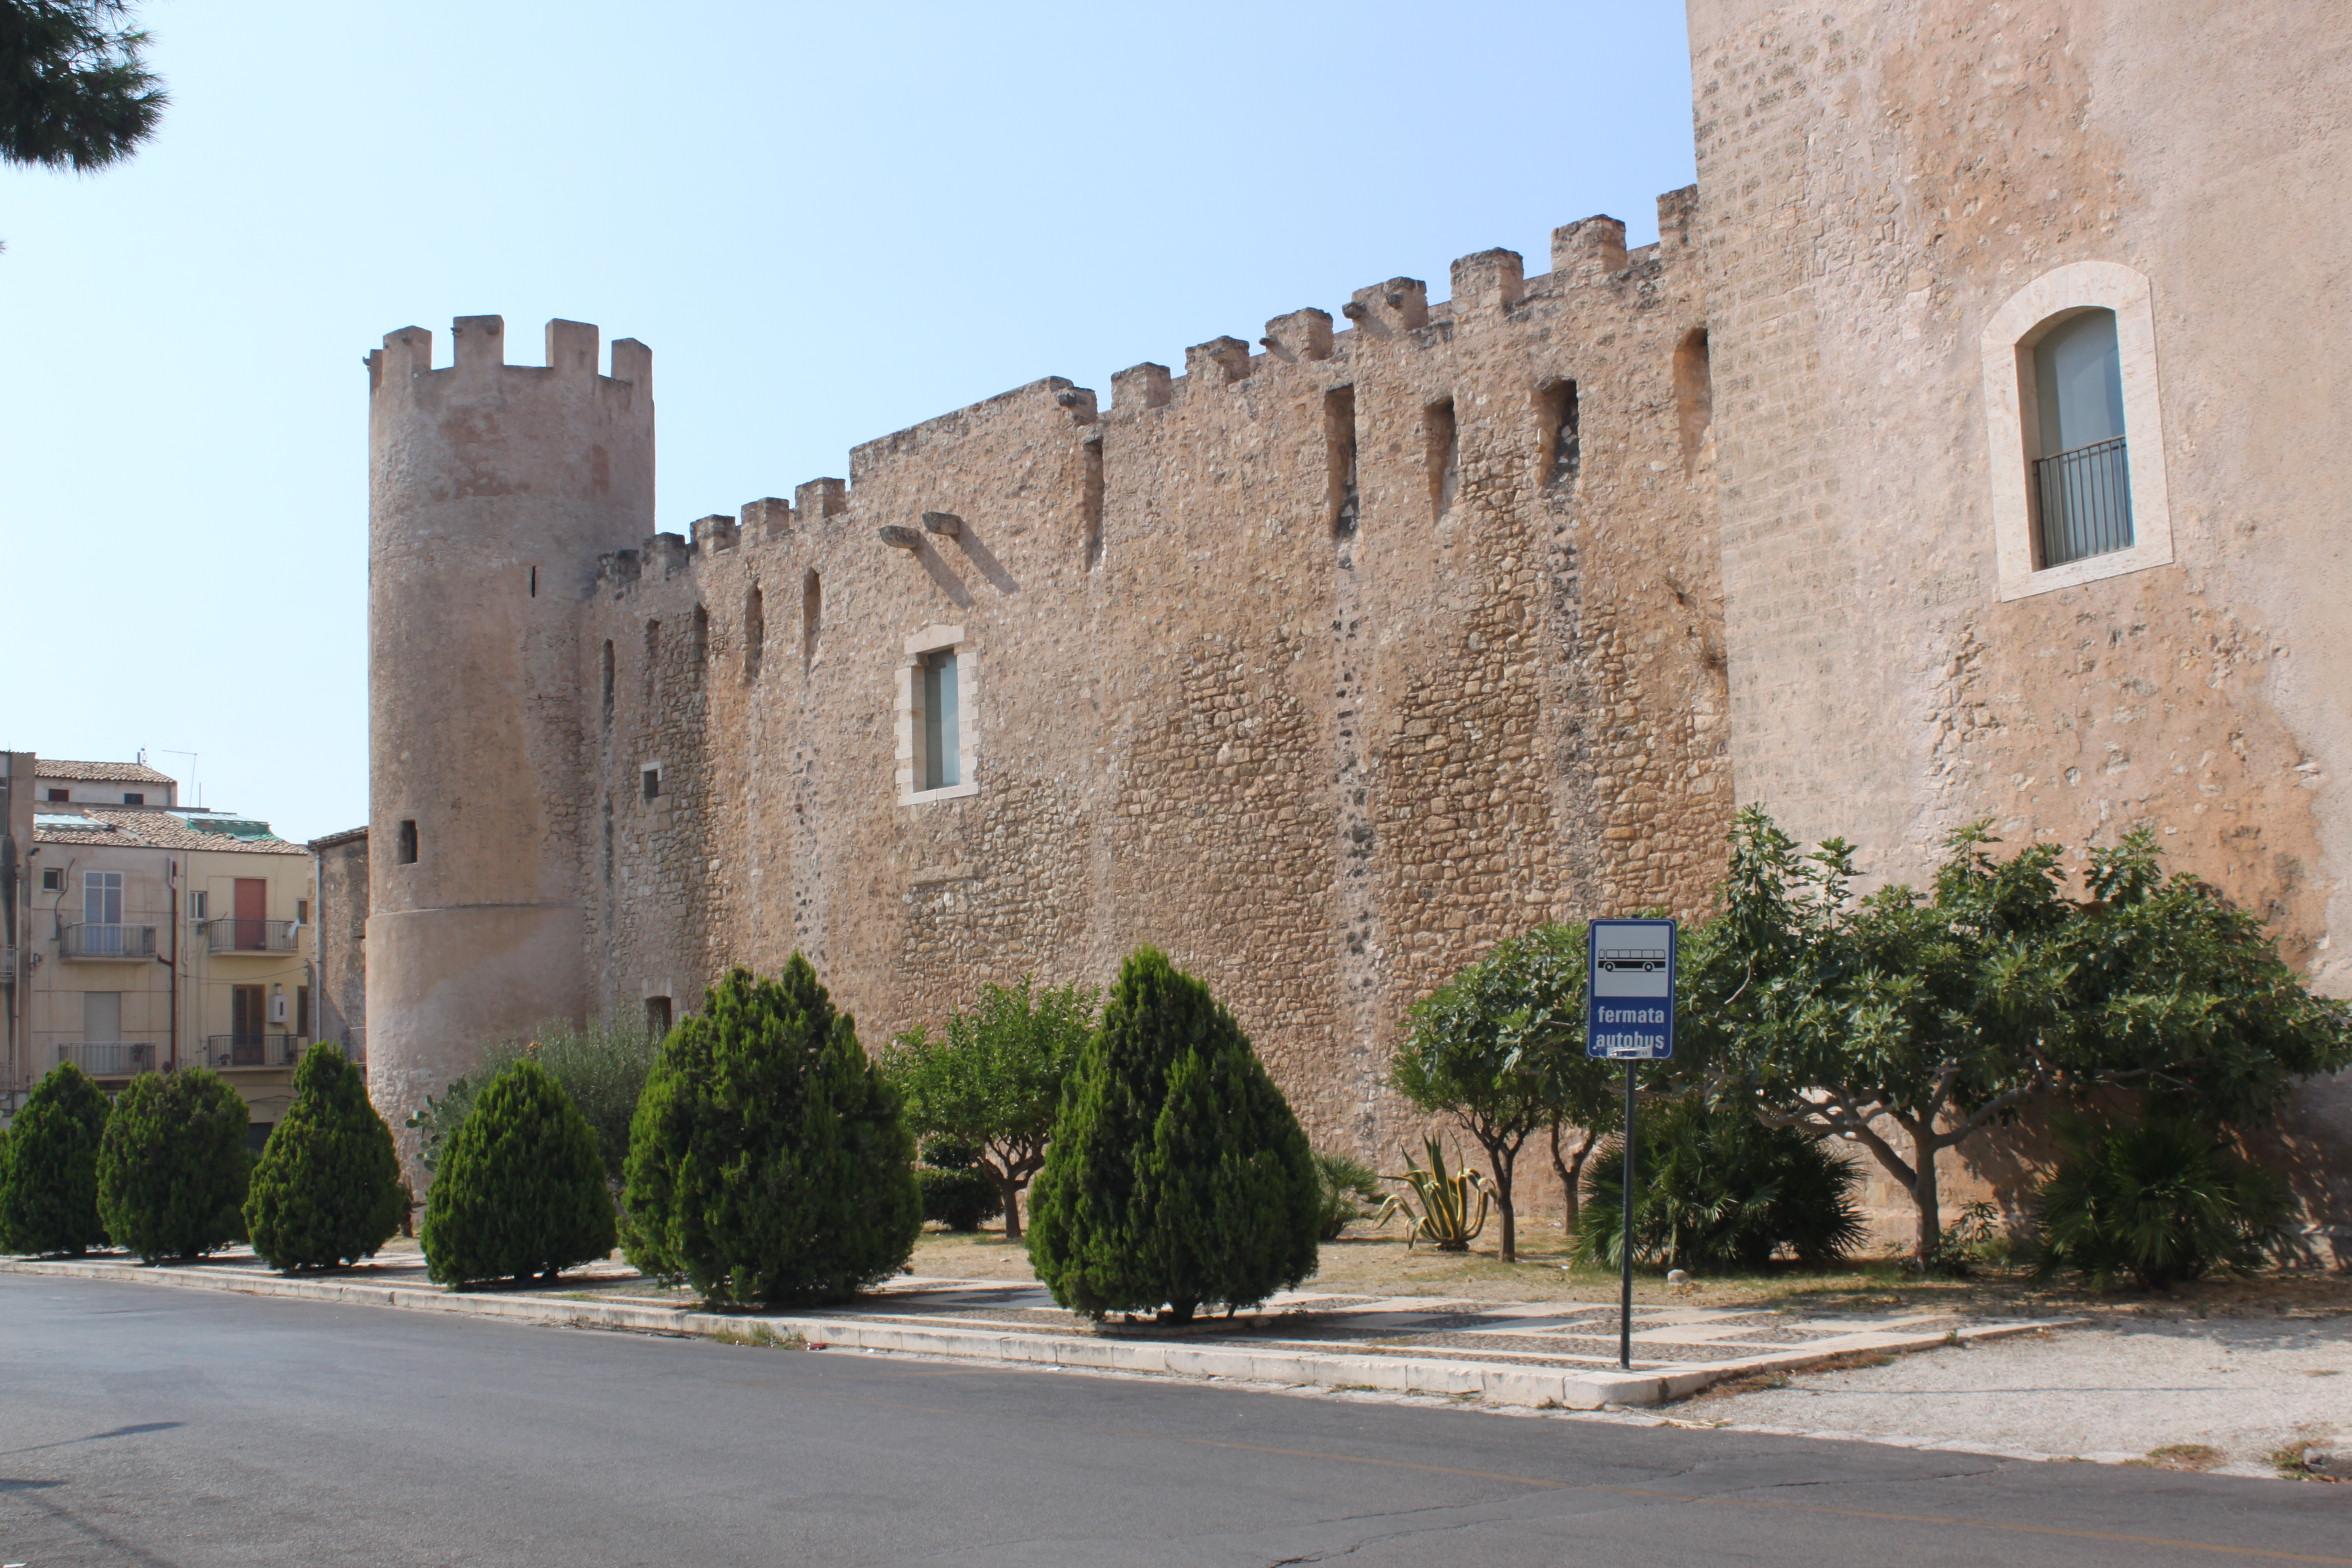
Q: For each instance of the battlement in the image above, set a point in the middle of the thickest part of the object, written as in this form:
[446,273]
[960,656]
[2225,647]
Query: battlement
[1588,256]
[478,351]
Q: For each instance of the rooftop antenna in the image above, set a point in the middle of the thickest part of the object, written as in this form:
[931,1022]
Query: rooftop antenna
[193,781]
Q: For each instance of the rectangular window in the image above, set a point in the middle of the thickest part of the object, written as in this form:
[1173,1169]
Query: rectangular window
[941,721]
[102,1017]
[302,911]
[102,898]
[1558,432]
[1444,454]
[649,780]
[52,879]
[657,1016]
[198,905]
[60,794]
[408,841]
[302,1012]
[1339,460]
[132,797]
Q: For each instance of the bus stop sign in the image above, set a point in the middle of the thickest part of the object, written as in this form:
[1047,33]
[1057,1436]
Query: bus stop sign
[1629,998]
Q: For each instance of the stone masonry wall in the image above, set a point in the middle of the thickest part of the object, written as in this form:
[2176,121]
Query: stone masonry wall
[1324,735]
[1879,178]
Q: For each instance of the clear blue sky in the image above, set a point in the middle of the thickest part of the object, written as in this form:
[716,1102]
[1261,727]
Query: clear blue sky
[829,223]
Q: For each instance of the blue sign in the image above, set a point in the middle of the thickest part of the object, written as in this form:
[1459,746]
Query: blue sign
[1629,992]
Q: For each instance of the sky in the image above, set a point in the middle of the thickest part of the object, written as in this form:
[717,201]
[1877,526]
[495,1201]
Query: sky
[828,222]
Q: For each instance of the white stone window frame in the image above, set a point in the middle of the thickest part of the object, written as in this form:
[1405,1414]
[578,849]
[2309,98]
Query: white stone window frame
[932,639]
[2009,340]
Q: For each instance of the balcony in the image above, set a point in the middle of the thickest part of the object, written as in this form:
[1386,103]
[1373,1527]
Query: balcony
[2082,502]
[230,1051]
[244,934]
[99,940]
[109,1058]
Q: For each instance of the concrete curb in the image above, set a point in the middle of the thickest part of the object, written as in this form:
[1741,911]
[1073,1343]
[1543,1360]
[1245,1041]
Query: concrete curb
[1521,1386]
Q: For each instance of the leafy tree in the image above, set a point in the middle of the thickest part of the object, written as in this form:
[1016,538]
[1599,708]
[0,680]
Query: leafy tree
[327,1188]
[995,1081]
[49,1167]
[1717,1190]
[172,1165]
[2161,1201]
[1500,1047]
[521,1189]
[1909,1022]
[768,1160]
[1176,1172]
[75,92]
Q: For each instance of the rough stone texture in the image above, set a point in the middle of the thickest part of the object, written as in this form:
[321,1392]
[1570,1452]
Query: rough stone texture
[1879,178]
[1327,663]
[1323,762]
[342,938]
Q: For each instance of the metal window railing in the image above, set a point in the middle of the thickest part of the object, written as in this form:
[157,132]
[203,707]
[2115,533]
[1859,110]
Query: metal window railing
[253,1050]
[246,934]
[2082,502]
[95,939]
[108,1058]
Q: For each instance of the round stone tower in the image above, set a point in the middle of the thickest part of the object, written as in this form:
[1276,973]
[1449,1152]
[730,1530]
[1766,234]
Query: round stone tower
[492,490]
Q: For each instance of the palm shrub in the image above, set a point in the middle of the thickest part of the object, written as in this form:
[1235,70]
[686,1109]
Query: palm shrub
[768,1160]
[2158,1201]
[1349,1185]
[326,1189]
[1718,1190]
[49,1167]
[172,1165]
[1176,1174]
[521,1188]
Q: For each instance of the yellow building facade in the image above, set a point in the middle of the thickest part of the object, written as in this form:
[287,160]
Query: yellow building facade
[157,936]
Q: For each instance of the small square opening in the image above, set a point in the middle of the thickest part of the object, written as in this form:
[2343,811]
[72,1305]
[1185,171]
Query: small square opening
[649,781]
[408,841]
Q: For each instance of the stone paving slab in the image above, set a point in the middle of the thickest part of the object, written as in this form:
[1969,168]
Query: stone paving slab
[1543,1354]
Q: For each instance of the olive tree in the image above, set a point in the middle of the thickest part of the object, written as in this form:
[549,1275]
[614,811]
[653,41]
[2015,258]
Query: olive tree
[1910,1021]
[1500,1047]
[993,1082]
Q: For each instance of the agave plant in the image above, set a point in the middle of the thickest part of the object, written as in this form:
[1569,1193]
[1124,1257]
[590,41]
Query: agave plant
[1445,1215]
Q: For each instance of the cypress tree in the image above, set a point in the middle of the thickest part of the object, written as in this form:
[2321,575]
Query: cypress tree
[768,1160]
[1177,1174]
[327,1187]
[172,1165]
[49,1167]
[520,1189]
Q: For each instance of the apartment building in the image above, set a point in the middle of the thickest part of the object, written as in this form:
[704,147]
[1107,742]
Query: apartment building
[150,936]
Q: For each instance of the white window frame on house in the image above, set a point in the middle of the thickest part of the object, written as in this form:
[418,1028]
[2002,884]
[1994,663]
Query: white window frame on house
[2012,427]
[914,762]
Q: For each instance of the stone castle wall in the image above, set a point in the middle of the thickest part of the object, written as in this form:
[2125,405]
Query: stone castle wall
[1322,741]
[1881,179]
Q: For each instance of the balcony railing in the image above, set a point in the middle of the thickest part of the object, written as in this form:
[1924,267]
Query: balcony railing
[2082,502]
[95,939]
[243,934]
[109,1058]
[7,964]
[253,1050]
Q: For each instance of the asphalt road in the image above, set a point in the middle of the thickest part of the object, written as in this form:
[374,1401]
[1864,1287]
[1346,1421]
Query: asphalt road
[147,1426]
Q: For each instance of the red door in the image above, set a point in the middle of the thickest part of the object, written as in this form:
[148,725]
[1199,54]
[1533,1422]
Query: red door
[252,915]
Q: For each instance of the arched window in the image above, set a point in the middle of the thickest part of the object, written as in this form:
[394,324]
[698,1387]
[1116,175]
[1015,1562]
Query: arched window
[2082,467]
[2075,434]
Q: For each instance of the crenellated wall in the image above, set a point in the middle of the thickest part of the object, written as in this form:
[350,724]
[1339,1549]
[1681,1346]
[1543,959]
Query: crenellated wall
[1322,759]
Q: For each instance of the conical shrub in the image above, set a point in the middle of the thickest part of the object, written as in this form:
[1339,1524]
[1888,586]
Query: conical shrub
[1177,1175]
[49,1167]
[326,1189]
[172,1165]
[768,1160]
[520,1188]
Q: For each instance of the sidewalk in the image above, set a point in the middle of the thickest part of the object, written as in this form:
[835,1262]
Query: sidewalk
[1547,1355]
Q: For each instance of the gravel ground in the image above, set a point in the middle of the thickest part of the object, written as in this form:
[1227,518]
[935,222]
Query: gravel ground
[2242,1386]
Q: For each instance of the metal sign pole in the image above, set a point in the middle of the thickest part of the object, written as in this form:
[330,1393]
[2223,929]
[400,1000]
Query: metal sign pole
[1625,1241]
